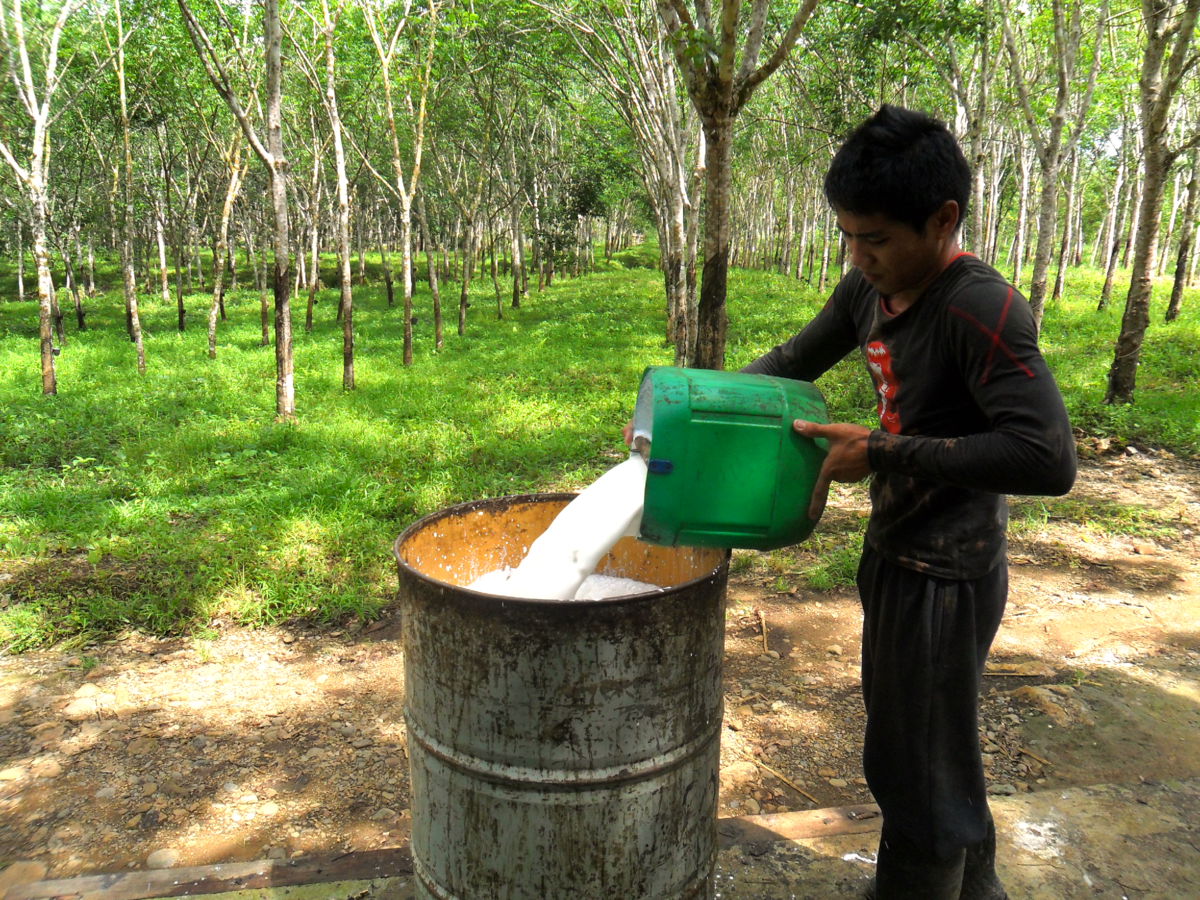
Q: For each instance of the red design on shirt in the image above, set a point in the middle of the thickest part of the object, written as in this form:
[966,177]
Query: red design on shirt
[879,362]
[997,342]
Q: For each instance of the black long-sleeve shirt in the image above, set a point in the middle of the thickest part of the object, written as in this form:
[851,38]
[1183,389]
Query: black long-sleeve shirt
[968,412]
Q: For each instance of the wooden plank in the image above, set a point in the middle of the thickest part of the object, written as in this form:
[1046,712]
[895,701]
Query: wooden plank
[369,864]
[146,884]
[794,826]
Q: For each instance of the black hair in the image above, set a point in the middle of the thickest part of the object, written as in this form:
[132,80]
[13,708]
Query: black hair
[902,164]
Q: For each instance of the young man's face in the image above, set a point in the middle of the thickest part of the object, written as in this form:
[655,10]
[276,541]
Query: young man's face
[892,257]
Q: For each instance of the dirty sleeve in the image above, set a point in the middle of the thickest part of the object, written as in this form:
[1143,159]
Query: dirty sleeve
[1028,447]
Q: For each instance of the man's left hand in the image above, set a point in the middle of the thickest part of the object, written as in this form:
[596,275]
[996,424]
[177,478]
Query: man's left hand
[846,462]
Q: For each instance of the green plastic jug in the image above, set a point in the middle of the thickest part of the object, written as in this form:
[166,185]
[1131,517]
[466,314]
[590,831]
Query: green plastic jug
[726,469]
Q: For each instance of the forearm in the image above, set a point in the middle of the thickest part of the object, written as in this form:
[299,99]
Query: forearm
[1000,462]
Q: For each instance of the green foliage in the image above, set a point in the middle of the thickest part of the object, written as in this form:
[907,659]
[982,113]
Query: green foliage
[165,502]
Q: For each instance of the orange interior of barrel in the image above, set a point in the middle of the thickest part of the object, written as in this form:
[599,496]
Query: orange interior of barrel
[456,549]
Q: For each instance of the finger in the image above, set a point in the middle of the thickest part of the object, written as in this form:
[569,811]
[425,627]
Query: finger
[820,495]
[811,429]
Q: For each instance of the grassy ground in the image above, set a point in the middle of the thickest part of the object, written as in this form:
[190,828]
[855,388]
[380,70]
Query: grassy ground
[166,501]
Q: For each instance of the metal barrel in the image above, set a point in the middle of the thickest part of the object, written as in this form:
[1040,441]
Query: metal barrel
[559,749]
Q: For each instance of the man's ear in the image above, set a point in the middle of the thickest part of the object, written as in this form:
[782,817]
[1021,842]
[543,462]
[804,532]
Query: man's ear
[945,219]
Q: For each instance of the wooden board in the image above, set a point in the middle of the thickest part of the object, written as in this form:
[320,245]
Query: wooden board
[795,826]
[370,864]
[145,884]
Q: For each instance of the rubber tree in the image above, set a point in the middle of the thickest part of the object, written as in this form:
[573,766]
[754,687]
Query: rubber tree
[622,45]
[270,152]
[35,96]
[1055,131]
[708,43]
[1167,58]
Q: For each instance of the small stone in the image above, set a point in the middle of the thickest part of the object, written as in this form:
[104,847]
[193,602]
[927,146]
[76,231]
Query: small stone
[361,743]
[79,710]
[289,638]
[740,772]
[1144,548]
[134,822]
[46,768]
[277,853]
[826,772]
[149,788]
[347,730]
[98,672]
[74,662]
[743,712]
[1005,790]
[269,809]
[752,806]
[139,747]
[199,743]
[838,782]
[229,787]
[106,793]
[861,782]
[834,650]
[143,807]
[12,773]
[384,813]
[162,859]
[774,654]
[86,690]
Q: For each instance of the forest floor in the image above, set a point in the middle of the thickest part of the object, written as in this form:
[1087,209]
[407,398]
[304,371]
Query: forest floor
[286,742]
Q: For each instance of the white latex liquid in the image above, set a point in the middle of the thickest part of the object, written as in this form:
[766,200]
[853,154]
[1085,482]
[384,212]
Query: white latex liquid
[566,553]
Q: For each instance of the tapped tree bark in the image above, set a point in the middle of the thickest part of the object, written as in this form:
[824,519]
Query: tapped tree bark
[719,90]
[433,271]
[273,159]
[1169,27]
[1186,233]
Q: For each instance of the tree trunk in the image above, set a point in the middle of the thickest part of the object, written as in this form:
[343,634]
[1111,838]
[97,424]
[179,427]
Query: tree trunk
[433,276]
[1047,215]
[406,275]
[1186,231]
[385,259]
[1018,253]
[21,261]
[711,319]
[41,258]
[468,265]
[1068,235]
[1122,374]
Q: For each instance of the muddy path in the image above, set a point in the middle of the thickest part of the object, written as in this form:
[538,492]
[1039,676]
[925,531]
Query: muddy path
[280,743]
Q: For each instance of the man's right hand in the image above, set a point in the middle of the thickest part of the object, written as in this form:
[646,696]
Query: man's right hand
[627,433]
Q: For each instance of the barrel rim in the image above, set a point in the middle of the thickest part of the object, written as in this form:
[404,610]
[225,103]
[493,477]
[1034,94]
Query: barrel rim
[511,500]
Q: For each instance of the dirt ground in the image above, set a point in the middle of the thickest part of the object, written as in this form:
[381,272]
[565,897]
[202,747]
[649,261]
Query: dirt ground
[279,743]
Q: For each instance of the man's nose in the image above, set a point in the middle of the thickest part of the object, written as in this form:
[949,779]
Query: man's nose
[858,252]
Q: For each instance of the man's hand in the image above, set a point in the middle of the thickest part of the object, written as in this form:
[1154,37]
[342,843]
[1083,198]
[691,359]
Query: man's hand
[846,462]
[627,433]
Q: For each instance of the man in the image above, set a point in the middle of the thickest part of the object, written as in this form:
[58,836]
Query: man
[968,412]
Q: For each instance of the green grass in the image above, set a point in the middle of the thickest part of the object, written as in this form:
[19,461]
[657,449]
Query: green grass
[1031,514]
[167,501]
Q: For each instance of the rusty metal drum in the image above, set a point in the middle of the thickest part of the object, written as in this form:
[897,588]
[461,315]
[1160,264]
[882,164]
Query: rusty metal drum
[559,749]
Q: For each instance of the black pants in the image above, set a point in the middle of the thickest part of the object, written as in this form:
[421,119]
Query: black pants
[924,643]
